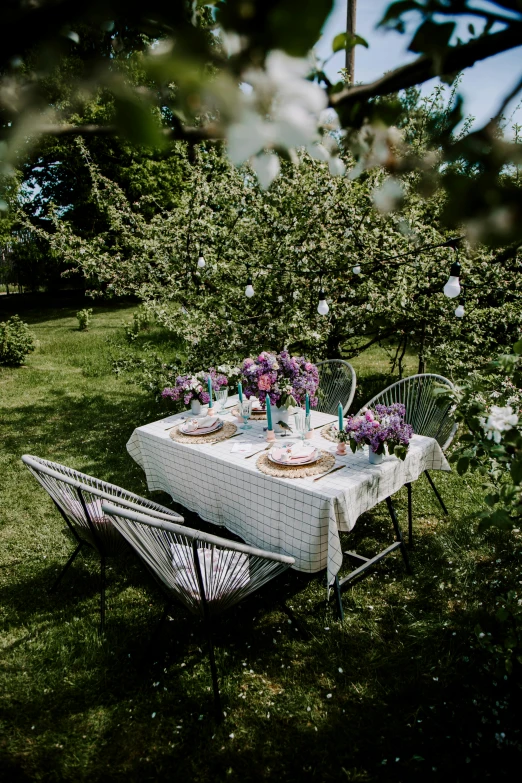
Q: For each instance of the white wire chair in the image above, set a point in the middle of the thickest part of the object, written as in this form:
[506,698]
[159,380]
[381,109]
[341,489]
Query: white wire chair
[79,497]
[206,573]
[425,414]
[337,384]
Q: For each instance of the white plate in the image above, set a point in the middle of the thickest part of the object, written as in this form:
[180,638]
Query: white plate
[206,431]
[295,463]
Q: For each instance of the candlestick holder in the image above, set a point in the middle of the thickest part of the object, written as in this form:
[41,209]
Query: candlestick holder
[341,449]
[270,435]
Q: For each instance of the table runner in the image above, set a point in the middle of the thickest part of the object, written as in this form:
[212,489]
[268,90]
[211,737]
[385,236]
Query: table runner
[298,517]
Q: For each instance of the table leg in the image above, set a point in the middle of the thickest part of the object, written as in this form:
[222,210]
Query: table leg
[410,516]
[398,534]
[436,491]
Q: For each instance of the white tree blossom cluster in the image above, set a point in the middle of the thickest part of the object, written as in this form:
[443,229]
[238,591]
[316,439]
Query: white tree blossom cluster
[280,109]
[499,420]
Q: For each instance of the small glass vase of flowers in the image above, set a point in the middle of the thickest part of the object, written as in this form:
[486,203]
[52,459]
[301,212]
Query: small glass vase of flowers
[382,428]
[193,389]
[342,437]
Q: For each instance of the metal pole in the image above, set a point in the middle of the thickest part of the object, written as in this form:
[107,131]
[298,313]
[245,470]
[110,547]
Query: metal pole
[351,13]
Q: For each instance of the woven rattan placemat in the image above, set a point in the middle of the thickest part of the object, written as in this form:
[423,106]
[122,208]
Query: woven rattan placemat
[324,463]
[227,430]
[327,432]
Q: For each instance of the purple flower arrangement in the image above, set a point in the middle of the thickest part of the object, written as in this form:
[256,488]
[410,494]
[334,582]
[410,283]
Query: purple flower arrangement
[380,427]
[286,379]
[195,387]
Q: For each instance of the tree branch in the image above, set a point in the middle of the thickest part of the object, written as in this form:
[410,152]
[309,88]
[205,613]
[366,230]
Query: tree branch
[211,132]
[424,68]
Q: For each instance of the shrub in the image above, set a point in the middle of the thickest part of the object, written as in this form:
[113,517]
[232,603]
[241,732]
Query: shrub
[16,341]
[140,322]
[84,318]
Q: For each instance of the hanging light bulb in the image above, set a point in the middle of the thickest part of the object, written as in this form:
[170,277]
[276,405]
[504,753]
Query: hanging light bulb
[452,287]
[249,290]
[459,312]
[322,307]
[201,262]
[357,269]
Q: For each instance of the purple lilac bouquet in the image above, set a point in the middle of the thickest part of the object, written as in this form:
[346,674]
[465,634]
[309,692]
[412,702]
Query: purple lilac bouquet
[380,427]
[195,387]
[286,379]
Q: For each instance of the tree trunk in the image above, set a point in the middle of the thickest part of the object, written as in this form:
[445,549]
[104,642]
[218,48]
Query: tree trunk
[422,362]
[333,342]
[351,13]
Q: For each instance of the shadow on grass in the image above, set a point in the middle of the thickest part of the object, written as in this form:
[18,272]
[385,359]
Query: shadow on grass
[94,425]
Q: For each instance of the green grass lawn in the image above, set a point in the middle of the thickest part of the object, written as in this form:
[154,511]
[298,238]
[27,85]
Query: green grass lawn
[400,691]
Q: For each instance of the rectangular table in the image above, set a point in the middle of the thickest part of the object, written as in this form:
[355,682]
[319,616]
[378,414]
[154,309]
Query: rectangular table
[298,517]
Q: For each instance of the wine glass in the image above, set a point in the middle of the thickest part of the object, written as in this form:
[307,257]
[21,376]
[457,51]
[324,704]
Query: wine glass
[221,398]
[302,423]
[245,408]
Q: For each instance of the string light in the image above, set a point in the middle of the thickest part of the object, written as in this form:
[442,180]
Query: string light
[249,290]
[322,307]
[201,262]
[452,287]
[459,312]
[357,269]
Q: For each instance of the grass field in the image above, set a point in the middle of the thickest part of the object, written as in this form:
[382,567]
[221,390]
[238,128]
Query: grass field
[400,691]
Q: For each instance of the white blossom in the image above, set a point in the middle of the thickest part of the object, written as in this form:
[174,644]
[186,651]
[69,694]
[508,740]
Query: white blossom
[267,167]
[388,196]
[247,137]
[499,420]
[337,167]
[294,107]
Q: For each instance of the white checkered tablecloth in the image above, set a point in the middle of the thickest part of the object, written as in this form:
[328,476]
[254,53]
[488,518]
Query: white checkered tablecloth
[298,517]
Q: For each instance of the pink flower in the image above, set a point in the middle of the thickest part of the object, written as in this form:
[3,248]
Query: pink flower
[308,366]
[248,362]
[369,416]
[376,424]
[264,382]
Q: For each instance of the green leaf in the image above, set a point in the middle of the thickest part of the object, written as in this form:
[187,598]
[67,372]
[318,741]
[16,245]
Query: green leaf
[491,498]
[295,25]
[432,38]
[516,471]
[347,41]
[397,9]
[462,465]
[517,348]
[499,518]
[400,451]
[135,120]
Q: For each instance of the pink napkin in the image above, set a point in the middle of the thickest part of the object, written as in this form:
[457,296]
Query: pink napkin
[296,454]
[201,426]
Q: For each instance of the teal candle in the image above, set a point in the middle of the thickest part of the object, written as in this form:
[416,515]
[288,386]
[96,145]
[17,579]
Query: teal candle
[240,391]
[209,384]
[307,404]
[268,413]
[340,410]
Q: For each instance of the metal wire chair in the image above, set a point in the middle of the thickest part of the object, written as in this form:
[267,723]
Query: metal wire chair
[337,384]
[206,573]
[78,497]
[425,415]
